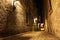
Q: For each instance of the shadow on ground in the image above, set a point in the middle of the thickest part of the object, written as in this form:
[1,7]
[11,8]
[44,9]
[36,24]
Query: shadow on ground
[17,38]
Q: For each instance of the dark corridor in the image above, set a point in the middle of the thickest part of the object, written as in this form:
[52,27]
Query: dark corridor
[40,9]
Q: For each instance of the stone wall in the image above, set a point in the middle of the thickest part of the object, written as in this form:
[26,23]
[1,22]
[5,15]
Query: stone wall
[53,21]
[55,17]
[3,15]
[13,18]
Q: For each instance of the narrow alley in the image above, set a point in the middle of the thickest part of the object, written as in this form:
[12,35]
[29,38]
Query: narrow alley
[29,19]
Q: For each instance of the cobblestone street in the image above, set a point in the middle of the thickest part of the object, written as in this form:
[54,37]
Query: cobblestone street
[31,36]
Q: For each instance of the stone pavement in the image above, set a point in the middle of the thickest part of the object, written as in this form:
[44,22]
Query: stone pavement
[40,35]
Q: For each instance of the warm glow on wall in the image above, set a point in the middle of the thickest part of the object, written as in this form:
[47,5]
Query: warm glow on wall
[35,20]
[19,12]
[9,2]
[18,6]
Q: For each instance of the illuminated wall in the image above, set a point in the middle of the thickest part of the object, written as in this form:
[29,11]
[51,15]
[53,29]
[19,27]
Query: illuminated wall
[13,18]
[55,17]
